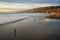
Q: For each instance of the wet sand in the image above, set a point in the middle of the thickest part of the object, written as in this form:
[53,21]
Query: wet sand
[53,17]
[34,28]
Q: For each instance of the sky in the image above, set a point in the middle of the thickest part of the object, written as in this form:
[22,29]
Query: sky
[27,4]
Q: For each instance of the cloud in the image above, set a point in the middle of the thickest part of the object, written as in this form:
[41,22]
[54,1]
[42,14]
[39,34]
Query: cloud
[33,1]
[22,6]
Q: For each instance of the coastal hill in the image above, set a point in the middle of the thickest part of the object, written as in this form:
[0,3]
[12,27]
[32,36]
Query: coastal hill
[49,9]
[54,10]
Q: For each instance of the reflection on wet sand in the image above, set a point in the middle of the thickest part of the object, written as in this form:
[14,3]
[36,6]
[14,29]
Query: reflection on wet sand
[53,17]
[34,28]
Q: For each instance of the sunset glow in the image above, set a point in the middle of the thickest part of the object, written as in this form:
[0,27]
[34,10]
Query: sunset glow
[9,10]
[13,7]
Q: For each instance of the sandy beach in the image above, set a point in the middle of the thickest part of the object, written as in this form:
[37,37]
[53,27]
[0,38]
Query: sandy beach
[33,28]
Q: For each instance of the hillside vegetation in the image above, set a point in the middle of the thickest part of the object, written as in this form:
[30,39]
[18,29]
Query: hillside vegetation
[54,10]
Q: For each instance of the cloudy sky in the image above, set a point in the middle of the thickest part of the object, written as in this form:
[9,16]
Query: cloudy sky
[27,4]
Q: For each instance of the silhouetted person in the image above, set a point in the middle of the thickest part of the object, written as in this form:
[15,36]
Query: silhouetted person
[15,32]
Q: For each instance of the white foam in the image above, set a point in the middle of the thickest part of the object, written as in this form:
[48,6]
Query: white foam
[5,18]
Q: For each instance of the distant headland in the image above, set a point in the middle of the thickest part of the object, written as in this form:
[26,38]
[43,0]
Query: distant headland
[54,10]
